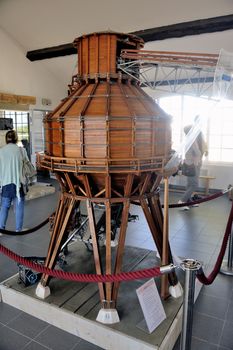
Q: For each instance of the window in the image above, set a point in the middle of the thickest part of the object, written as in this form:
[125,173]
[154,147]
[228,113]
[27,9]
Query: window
[217,128]
[220,135]
[20,123]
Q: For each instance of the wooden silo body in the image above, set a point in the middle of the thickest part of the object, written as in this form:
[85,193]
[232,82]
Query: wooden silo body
[107,142]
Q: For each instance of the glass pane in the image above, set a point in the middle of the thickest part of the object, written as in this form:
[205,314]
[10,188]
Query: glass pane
[25,129]
[214,154]
[25,118]
[227,141]
[215,141]
[227,127]
[184,109]
[227,155]
[215,125]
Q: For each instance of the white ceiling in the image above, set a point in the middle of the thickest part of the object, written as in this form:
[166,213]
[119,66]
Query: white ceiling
[37,24]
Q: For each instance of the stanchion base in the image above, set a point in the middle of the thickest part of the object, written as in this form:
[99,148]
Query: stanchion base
[108,316]
[42,292]
[226,270]
[176,291]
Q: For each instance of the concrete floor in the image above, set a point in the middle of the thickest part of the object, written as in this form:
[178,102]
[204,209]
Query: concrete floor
[193,234]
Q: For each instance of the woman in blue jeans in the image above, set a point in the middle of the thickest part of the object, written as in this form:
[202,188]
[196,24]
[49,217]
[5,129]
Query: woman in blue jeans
[11,181]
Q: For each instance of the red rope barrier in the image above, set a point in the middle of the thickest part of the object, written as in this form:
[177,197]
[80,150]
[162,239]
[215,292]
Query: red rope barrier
[201,276]
[123,276]
[78,277]
[199,201]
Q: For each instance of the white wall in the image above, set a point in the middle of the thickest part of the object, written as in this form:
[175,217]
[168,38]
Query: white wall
[21,77]
[208,43]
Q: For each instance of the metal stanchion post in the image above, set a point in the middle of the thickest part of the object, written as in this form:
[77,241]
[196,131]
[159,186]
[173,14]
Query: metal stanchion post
[227,266]
[190,266]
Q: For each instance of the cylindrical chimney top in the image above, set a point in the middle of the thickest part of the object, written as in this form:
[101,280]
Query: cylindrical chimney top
[98,52]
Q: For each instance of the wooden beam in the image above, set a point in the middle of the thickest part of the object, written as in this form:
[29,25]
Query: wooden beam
[17,99]
[51,52]
[178,30]
[97,259]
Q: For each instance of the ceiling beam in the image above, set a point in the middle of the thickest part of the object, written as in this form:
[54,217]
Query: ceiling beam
[202,26]
[51,52]
[208,25]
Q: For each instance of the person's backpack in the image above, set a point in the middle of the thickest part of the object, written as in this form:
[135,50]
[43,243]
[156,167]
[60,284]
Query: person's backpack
[28,170]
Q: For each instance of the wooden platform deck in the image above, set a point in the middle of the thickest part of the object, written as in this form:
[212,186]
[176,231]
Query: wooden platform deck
[74,306]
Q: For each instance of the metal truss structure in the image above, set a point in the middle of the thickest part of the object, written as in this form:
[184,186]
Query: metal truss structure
[173,72]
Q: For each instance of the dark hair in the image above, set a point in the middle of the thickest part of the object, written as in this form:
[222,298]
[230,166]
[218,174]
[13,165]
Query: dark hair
[11,137]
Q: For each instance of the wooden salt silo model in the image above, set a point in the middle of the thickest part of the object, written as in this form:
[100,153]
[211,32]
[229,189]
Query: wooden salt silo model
[108,143]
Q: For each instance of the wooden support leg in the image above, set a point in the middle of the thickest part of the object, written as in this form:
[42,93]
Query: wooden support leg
[122,234]
[120,248]
[98,267]
[152,225]
[157,213]
[56,224]
[62,218]
[108,286]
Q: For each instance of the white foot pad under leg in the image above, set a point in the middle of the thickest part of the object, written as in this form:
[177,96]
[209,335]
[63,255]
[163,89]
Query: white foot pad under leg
[108,316]
[42,292]
[176,291]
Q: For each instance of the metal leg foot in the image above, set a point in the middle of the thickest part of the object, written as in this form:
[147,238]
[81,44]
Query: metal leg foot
[42,292]
[176,291]
[108,316]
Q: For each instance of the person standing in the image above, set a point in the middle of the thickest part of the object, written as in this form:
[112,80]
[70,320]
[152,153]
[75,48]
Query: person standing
[193,157]
[11,181]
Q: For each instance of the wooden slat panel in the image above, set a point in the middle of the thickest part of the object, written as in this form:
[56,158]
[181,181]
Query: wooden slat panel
[93,53]
[84,57]
[81,297]
[120,123]
[73,152]
[117,137]
[97,107]
[95,139]
[118,104]
[121,152]
[94,124]
[113,44]
[92,151]
[75,109]
[66,290]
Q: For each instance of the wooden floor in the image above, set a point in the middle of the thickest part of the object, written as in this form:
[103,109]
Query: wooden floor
[82,299]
